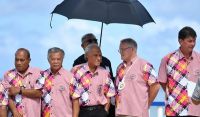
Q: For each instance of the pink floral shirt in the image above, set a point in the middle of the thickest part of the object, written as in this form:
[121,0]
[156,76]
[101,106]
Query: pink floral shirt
[91,88]
[28,107]
[3,95]
[56,100]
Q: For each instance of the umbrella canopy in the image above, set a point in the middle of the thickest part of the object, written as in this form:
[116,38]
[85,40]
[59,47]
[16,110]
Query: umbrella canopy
[105,11]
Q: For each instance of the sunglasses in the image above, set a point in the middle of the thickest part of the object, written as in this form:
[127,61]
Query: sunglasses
[91,41]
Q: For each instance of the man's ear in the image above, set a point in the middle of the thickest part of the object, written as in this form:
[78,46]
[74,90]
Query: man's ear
[180,41]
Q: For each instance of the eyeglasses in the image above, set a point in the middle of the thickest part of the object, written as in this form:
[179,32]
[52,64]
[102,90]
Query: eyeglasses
[123,49]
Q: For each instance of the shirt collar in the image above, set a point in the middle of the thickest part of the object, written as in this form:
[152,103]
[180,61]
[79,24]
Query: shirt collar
[28,71]
[86,67]
[132,61]
[60,71]
[182,56]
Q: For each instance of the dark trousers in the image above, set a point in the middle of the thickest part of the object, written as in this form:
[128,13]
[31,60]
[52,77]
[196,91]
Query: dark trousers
[182,116]
[111,111]
[93,111]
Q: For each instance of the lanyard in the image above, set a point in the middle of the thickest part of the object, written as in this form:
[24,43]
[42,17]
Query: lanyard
[129,69]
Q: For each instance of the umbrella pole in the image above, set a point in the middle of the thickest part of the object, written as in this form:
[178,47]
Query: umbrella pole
[101,34]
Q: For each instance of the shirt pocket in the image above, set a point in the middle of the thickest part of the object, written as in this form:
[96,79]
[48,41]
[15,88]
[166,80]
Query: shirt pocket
[62,88]
[131,77]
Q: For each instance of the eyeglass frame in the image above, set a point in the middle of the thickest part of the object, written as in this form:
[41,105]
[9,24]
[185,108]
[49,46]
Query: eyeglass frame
[123,49]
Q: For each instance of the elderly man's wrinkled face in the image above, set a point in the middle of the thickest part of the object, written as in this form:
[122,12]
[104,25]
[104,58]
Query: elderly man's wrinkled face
[21,61]
[55,61]
[94,57]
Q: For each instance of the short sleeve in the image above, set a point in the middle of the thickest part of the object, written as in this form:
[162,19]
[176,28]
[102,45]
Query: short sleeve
[162,74]
[40,82]
[149,74]
[3,96]
[109,88]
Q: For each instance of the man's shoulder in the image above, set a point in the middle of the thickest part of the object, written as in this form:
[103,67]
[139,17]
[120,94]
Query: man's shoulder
[170,54]
[8,72]
[79,60]
[105,58]
[36,69]
[65,71]
[106,61]
[143,61]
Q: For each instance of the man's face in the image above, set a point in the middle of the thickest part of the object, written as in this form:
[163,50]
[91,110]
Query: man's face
[21,61]
[88,41]
[125,51]
[94,57]
[55,61]
[187,45]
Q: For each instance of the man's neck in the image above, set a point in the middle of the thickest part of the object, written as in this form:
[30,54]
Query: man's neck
[92,68]
[23,73]
[187,55]
[129,61]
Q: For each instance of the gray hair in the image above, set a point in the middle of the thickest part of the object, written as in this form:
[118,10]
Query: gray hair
[55,50]
[90,47]
[130,42]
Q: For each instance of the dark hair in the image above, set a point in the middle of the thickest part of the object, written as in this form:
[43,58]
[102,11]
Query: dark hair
[88,35]
[25,50]
[186,32]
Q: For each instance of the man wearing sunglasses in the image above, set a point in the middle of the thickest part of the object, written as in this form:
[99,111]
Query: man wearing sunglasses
[87,39]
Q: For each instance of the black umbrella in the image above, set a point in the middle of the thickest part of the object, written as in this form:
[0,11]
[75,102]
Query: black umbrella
[105,11]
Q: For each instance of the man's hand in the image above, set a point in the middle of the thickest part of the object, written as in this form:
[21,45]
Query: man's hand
[13,91]
[17,114]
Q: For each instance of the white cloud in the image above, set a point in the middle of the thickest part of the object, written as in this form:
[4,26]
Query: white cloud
[8,45]
[68,36]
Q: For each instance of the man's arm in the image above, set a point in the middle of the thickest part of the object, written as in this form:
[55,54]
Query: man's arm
[3,111]
[107,105]
[153,91]
[75,107]
[13,109]
[31,93]
[196,94]
[163,85]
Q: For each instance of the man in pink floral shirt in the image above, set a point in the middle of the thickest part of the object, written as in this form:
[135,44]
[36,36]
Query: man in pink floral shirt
[136,82]
[91,86]
[3,101]
[24,99]
[178,74]
[54,84]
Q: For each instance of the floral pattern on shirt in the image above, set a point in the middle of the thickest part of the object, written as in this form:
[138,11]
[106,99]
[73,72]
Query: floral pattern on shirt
[176,90]
[3,96]
[81,81]
[45,83]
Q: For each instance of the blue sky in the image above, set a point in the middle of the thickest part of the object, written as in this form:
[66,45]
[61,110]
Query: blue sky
[25,23]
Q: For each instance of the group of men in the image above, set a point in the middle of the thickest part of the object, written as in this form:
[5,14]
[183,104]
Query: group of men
[87,90]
